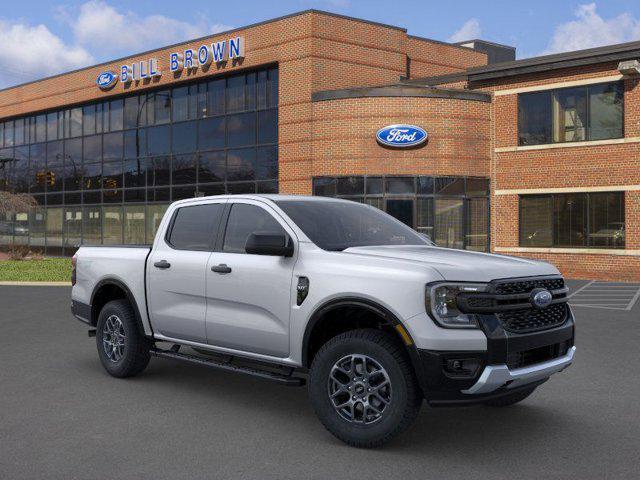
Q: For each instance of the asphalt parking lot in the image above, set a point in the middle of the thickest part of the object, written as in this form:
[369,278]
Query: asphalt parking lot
[63,417]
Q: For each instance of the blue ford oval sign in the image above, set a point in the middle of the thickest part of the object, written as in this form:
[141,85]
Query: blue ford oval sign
[106,80]
[401,136]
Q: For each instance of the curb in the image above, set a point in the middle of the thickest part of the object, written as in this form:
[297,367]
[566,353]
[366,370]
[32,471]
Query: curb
[36,284]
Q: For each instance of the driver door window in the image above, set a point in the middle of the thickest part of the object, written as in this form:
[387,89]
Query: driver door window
[244,220]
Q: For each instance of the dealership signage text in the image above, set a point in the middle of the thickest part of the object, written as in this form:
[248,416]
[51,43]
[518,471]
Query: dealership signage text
[188,59]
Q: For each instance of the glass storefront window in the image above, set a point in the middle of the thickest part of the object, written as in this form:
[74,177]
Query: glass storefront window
[184,137]
[449,222]
[112,225]
[72,227]
[591,112]
[54,230]
[180,104]
[6,229]
[116,115]
[400,185]
[92,225]
[211,133]
[21,228]
[154,216]
[89,162]
[577,220]
[241,130]
[241,164]
[184,169]
[211,167]
[162,106]
[424,216]
[134,225]
[158,140]
[37,227]
[477,230]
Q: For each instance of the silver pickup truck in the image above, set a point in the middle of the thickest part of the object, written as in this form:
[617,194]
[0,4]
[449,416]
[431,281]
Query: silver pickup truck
[332,293]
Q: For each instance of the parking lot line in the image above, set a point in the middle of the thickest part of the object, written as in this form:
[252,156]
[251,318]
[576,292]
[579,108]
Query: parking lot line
[581,288]
[633,300]
[605,295]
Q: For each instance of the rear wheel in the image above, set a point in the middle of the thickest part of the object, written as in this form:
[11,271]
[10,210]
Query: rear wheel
[122,348]
[363,388]
[512,399]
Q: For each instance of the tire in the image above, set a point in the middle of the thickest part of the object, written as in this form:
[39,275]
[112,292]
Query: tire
[386,361]
[117,323]
[512,399]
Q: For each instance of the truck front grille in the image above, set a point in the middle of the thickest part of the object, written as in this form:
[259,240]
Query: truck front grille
[531,320]
[525,286]
[510,301]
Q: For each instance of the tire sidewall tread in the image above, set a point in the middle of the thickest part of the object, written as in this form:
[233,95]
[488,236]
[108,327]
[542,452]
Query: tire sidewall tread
[136,352]
[406,395]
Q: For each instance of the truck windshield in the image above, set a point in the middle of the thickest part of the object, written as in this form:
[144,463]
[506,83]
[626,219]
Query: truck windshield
[335,225]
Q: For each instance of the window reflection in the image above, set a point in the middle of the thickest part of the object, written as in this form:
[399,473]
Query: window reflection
[452,211]
[85,162]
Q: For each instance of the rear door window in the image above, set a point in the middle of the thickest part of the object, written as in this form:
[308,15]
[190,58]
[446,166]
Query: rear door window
[195,228]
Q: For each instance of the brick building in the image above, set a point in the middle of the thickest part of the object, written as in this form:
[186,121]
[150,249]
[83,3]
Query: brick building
[536,157]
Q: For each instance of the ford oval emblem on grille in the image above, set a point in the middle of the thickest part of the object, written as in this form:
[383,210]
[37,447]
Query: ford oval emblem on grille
[541,298]
[106,80]
[401,136]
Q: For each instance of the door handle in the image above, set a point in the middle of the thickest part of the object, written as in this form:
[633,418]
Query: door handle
[222,268]
[162,264]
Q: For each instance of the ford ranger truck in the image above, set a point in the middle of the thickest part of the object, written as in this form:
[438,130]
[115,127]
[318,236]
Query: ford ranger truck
[331,293]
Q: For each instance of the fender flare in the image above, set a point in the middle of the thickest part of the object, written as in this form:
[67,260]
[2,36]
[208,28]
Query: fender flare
[374,307]
[128,294]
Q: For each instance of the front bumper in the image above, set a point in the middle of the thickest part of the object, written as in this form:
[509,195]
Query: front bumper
[510,363]
[497,376]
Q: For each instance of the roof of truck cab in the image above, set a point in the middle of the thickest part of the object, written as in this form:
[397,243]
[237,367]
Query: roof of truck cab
[271,196]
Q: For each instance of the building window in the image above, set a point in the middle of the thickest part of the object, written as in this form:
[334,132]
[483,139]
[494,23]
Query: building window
[591,112]
[105,171]
[452,211]
[573,220]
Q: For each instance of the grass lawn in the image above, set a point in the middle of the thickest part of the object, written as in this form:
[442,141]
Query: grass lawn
[47,270]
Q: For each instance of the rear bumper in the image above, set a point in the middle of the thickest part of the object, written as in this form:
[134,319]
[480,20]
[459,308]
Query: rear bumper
[81,311]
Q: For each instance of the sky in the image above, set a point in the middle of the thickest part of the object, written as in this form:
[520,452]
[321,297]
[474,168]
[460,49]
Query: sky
[39,38]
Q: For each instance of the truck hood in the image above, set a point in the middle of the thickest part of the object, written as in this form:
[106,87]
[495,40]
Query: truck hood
[460,265]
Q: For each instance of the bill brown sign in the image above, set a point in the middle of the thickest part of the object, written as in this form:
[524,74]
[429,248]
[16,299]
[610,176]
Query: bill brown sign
[189,59]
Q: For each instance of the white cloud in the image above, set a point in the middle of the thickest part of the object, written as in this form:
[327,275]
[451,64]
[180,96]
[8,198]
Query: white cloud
[591,30]
[469,31]
[97,32]
[107,31]
[29,52]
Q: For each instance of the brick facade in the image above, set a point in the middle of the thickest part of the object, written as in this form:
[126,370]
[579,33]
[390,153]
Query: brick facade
[319,52]
[459,137]
[580,168]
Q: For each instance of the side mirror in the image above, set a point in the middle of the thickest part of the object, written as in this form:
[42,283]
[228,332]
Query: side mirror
[427,238]
[266,243]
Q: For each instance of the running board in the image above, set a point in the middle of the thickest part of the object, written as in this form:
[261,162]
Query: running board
[281,378]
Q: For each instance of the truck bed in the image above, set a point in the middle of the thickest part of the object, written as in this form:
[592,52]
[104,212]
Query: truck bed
[125,264]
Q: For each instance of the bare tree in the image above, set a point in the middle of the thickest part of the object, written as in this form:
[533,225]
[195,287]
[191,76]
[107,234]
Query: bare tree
[16,202]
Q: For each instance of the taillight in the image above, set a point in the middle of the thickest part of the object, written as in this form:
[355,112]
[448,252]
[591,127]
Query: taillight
[74,260]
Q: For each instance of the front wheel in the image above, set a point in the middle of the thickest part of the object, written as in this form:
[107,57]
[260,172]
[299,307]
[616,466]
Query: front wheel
[122,348]
[363,388]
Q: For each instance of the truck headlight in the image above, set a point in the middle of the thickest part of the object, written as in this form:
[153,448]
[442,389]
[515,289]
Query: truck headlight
[442,305]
